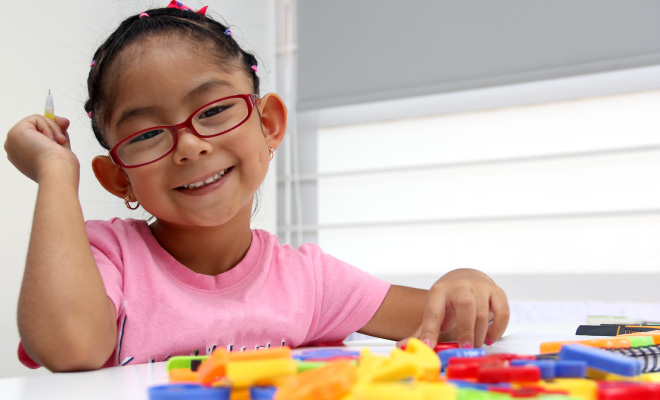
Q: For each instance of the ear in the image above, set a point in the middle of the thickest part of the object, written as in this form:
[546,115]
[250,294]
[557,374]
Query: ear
[273,119]
[111,177]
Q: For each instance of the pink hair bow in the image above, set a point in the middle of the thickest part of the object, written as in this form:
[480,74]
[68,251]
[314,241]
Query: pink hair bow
[181,6]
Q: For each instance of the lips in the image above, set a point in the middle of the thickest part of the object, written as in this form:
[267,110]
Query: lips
[206,182]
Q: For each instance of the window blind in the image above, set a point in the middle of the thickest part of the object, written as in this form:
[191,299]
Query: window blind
[372,50]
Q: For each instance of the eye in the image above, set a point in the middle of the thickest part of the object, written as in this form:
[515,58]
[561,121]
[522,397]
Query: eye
[213,111]
[146,135]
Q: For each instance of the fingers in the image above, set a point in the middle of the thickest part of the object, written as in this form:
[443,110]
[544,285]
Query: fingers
[481,319]
[500,309]
[433,317]
[63,125]
[34,137]
[468,305]
[482,316]
[54,130]
[463,310]
[42,125]
[465,306]
[450,320]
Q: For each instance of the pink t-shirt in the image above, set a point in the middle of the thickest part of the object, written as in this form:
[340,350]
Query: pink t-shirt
[275,296]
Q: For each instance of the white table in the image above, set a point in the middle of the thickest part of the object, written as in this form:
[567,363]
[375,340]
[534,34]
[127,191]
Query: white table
[118,383]
[131,382]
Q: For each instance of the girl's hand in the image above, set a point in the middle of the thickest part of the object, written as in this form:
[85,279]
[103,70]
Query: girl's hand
[37,143]
[467,306]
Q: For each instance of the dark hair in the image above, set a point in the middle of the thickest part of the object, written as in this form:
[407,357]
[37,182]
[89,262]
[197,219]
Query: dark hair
[159,21]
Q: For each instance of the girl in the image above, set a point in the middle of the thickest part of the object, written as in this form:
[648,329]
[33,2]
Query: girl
[104,293]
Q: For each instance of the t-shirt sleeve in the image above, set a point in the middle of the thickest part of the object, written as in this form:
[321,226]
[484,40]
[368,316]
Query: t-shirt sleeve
[346,297]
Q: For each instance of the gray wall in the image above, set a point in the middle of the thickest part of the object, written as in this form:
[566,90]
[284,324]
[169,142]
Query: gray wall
[353,51]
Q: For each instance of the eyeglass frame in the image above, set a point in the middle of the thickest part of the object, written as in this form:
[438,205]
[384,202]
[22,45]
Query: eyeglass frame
[251,100]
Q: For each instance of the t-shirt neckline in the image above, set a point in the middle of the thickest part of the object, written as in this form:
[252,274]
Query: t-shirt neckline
[221,282]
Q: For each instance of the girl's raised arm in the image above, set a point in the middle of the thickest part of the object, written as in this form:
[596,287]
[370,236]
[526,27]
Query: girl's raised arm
[464,305]
[65,319]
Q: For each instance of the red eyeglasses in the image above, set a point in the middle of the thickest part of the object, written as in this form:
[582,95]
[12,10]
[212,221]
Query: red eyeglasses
[214,119]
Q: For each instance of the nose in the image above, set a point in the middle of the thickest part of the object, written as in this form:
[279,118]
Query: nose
[190,147]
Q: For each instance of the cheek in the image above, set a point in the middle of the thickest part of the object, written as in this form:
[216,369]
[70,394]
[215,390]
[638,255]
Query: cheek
[141,181]
[255,147]
[264,155]
[261,165]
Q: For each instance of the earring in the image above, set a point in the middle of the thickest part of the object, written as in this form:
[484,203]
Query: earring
[127,201]
[271,153]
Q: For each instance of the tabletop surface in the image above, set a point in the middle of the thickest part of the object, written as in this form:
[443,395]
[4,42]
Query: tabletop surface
[132,382]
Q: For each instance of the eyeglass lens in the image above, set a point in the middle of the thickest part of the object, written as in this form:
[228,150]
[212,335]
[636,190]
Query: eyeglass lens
[214,119]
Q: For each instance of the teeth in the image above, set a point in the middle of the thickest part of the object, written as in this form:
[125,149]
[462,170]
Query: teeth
[212,179]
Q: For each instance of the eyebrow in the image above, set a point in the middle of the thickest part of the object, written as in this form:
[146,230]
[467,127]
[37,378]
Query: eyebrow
[133,113]
[192,95]
[205,87]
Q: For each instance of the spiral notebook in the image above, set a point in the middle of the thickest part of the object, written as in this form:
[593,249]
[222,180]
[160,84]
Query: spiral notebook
[649,356]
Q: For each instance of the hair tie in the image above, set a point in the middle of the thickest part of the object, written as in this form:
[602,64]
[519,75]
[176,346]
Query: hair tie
[93,64]
[254,67]
[181,6]
[144,14]
[228,32]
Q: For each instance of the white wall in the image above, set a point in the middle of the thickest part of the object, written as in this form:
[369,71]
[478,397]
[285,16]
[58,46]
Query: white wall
[49,44]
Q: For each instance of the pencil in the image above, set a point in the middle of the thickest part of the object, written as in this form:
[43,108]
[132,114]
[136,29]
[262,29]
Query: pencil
[50,110]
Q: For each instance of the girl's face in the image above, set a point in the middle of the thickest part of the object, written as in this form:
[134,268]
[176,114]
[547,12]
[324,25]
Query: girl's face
[163,80]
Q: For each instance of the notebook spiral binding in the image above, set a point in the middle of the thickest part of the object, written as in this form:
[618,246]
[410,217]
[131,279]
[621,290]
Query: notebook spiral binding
[648,355]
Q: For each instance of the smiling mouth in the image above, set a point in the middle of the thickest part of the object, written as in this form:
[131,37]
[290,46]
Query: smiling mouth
[206,182]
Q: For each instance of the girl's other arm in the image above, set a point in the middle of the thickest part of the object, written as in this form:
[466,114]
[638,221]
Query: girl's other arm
[65,319]
[459,306]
